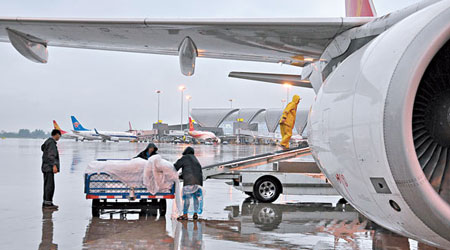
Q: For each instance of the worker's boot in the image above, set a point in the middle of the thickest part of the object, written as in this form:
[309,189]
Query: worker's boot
[49,205]
[183,217]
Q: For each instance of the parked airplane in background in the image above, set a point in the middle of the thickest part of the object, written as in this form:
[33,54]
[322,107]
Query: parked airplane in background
[101,135]
[201,135]
[79,130]
[379,126]
[65,134]
[142,134]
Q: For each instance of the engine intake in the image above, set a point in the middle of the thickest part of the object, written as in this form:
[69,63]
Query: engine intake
[431,123]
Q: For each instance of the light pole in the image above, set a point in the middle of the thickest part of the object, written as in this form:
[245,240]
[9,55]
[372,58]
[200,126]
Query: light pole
[231,103]
[188,98]
[181,88]
[159,93]
[288,88]
[282,103]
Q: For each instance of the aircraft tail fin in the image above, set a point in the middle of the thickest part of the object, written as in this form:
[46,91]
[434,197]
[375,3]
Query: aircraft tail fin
[130,127]
[360,8]
[191,124]
[77,125]
[56,126]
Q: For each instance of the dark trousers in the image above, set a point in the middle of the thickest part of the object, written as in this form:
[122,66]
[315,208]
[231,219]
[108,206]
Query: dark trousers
[49,187]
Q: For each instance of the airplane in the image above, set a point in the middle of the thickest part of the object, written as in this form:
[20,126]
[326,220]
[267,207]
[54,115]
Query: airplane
[141,134]
[79,130]
[378,127]
[65,134]
[101,135]
[201,135]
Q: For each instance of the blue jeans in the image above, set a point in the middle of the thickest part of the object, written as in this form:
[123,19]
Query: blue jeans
[187,201]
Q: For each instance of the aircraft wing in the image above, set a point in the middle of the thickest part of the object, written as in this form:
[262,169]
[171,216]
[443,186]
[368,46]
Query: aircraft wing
[103,136]
[291,41]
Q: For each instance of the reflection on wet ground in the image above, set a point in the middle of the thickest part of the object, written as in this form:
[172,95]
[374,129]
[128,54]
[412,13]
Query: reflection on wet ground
[230,220]
[128,232]
[47,230]
[252,225]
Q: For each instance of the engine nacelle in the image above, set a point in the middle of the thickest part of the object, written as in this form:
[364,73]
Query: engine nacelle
[380,127]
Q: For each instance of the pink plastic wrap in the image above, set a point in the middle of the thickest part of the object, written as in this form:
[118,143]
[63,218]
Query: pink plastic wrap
[157,174]
[129,172]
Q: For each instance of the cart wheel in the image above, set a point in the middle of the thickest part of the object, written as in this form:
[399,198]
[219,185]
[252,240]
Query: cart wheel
[249,194]
[162,207]
[342,201]
[267,189]
[95,207]
[149,212]
[146,212]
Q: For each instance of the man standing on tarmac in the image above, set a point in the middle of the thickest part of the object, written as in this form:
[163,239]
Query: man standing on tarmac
[50,166]
[287,121]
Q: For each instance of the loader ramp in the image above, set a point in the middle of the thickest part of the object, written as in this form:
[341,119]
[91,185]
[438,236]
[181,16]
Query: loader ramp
[226,170]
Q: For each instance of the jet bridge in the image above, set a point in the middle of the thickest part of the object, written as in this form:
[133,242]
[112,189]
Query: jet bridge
[231,169]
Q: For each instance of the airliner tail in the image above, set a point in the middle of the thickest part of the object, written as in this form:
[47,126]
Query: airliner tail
[56,126]
[77,125]
[191,124]
[360,8]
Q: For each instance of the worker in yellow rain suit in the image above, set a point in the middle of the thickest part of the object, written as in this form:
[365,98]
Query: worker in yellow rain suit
[287,121]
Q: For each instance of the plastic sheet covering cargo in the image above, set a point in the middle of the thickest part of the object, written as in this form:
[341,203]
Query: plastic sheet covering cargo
[157,174]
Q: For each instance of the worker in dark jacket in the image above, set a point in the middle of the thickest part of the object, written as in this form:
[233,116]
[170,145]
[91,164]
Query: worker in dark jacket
[50,166]
[192,181]
[148,152]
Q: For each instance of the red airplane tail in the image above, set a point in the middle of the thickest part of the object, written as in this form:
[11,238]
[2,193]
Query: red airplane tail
[56,126]
[191,125]
[130,127]
[359,8]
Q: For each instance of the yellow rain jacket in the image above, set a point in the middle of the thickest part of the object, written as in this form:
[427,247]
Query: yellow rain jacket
[289,113]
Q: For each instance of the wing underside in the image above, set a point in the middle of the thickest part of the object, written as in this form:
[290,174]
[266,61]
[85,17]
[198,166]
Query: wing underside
[290,41]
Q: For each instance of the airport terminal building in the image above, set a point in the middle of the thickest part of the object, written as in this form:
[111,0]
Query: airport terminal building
[258,121]
[245,125]
[234,124]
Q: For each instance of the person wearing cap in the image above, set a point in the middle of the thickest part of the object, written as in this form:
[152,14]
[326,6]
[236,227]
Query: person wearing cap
[287,121]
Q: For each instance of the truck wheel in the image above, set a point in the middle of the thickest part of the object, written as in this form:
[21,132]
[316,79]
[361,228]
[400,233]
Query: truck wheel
[162,207]
[267,189]
[95,207]
[267,217]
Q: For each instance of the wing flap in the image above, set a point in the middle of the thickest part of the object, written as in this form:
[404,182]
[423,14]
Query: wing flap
[294,80]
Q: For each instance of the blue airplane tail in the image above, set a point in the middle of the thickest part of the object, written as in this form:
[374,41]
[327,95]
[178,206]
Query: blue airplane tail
[77,125]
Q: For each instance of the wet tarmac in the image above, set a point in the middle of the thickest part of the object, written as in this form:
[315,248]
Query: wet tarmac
[230,220]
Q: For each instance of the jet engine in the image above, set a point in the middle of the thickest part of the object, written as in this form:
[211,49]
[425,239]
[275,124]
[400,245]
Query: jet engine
[380,127]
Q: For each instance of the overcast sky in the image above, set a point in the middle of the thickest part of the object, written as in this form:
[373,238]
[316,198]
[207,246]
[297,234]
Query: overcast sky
[107,89]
